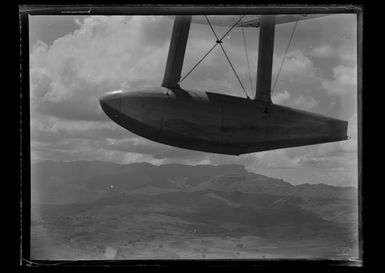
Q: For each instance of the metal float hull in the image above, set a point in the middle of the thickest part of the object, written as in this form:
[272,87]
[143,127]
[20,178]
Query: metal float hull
[217,123]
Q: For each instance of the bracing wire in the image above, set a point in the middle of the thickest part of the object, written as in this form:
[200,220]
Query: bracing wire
[247,57]
[284,56]
[227,57]
[211,49]
[191,70]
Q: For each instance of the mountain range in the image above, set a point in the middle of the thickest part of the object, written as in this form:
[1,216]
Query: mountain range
[149,202]
[51,181]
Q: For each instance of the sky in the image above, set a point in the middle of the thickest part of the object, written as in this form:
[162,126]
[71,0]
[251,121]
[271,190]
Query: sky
[76,59]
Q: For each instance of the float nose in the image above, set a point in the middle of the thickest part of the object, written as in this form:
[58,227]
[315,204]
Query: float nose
[111,104]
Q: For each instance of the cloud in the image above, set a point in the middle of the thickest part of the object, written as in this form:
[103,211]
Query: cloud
[44,126]
[298,75]
[276,159]
[305,102]
[158,151]
[68,77]
[323,51]
[280,97]
[344,81]
[90,152]
[302,102]
[345,51]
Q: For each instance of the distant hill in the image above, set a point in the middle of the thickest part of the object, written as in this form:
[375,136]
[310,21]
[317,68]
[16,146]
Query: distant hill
[254,183]
[82,181]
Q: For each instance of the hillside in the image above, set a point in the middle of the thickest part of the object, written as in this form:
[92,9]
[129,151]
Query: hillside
[92,209]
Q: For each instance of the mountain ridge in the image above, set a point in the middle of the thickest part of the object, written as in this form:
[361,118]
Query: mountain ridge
[173,165]
[61,182]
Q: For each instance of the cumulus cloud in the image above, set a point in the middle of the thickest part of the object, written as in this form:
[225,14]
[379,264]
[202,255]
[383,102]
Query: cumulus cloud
[298,75]
[295,66]
[305,102]
[301,102]
[68,77]
[344,51]
[280,97]
[48,127]
[323,51]
[344,81]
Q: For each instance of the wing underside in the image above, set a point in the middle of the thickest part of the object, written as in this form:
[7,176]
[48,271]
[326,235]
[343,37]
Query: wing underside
[253,20]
